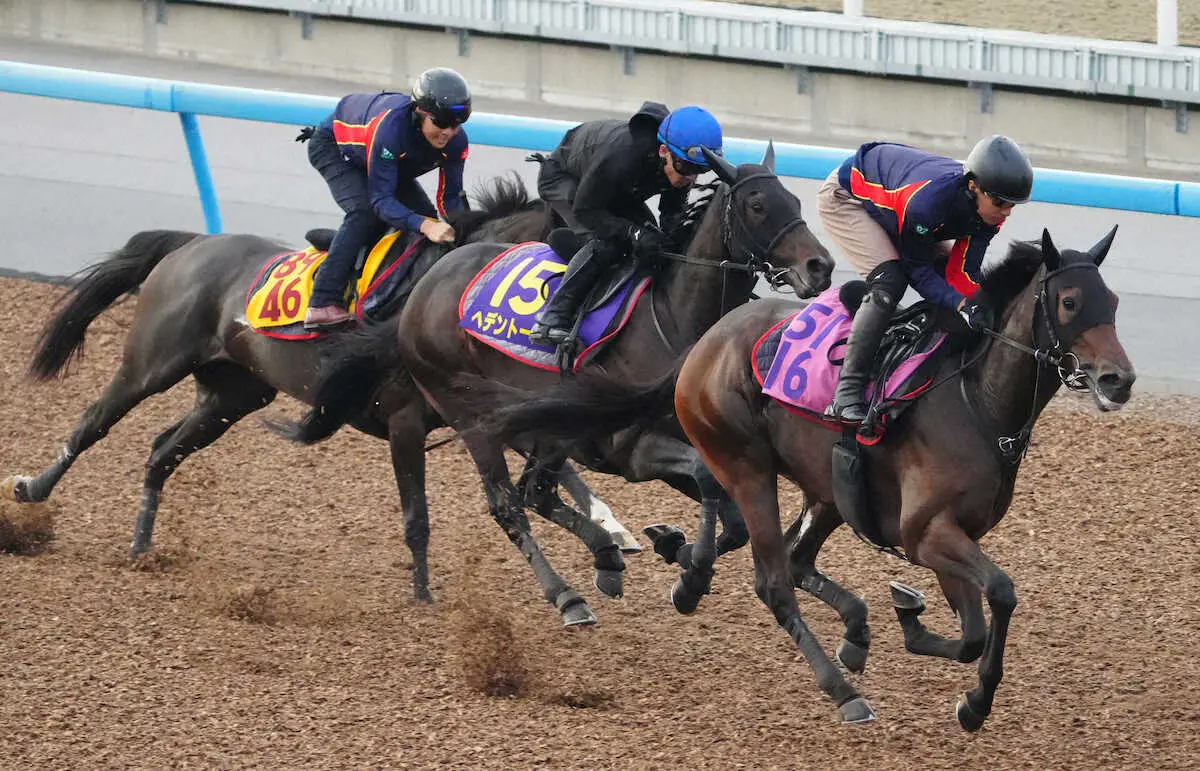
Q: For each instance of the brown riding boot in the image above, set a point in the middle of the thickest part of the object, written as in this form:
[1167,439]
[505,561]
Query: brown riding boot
[328,317]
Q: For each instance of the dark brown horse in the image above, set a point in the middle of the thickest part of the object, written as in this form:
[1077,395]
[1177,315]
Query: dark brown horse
[752,225]
[190,320]
[940,479]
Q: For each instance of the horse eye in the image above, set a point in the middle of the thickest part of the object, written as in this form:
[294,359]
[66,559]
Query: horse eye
[757,207]
[1068,303]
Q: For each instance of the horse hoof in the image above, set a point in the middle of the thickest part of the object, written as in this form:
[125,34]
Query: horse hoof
[666,539]
[968,718]
[625,541]
[611,583]
[852,656]
[904,597]
[15,489]
[684,600]
[578,614]
[422,595]
[857,710]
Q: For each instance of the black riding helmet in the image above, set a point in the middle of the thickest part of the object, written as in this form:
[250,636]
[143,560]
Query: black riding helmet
[1000,169]
[444,95]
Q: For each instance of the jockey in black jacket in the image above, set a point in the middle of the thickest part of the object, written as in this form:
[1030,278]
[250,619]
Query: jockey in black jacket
[598,180]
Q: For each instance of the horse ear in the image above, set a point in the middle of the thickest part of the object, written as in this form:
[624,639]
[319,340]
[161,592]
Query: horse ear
[769,156]
[1049,251]
[1100,250]
[726,171]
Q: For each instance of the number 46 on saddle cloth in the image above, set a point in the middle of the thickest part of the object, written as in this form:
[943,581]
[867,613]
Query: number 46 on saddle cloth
[279,296]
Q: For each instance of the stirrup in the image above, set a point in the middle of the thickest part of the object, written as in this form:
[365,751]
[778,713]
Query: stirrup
[544,335]
[833,411]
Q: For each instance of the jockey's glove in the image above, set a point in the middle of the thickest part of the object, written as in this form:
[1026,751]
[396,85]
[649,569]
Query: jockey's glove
[647,242]
[974,315]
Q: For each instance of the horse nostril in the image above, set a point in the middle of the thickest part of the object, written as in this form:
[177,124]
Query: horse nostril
[815,266]
[1114,383]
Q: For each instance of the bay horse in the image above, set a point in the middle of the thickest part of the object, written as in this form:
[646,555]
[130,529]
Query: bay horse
[190,319]
[941,477]
[751,225]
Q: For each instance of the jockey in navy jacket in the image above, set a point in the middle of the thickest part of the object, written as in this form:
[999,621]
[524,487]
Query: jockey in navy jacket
[920,200]
[905,217]
[378,133]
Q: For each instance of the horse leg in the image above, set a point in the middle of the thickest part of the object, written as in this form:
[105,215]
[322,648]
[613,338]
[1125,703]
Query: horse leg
[964,599]
[596,509]
[406,434]
[807,535]
[225,393]
[946,549]
[662,457]
[538,487]
[743,464]
[504,503]
[756,488]
[125,391]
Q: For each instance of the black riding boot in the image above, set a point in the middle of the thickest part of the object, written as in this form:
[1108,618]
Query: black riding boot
[886,285]
[555,323]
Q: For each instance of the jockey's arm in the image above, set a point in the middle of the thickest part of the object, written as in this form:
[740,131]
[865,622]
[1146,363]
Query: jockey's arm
[919,256]
[383,183]
[598,194]
[450,197]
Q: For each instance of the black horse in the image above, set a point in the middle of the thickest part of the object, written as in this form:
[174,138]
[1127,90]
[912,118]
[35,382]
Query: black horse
[190,320]
[752,225]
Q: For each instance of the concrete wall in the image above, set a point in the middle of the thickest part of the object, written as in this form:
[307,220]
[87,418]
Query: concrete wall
[830,108]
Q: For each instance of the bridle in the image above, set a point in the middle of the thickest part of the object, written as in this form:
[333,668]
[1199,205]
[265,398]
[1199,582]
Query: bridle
[738,239]
[1051,349]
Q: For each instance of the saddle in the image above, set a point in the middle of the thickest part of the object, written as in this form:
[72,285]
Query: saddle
[501,304]
[801,353]
[279,295]
[566,243]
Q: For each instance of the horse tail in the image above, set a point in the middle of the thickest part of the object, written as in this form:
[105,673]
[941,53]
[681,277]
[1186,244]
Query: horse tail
[349,375]
[94,289]
[582,409]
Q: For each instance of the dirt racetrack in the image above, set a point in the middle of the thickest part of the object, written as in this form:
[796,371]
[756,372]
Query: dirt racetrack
[276,628]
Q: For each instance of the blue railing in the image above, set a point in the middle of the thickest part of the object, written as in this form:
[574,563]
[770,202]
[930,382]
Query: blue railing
[1156,196]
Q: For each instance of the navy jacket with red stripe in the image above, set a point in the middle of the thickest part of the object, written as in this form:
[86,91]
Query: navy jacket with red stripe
[380,134]
[921,199]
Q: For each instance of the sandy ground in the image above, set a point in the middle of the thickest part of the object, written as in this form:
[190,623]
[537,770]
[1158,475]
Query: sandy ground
[1107,19]
[275,627]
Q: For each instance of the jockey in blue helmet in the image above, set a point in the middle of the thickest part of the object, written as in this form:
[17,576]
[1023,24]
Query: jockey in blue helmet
[598,180]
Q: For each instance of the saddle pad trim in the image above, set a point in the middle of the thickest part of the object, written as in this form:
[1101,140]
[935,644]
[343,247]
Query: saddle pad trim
[758,375]
[630,306]
[401,260]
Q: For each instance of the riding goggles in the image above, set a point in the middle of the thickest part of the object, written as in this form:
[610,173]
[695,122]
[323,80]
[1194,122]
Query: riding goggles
[449,117]
[695,164]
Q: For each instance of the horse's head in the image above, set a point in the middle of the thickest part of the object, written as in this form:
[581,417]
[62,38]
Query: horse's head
[1076,318]
[763,227]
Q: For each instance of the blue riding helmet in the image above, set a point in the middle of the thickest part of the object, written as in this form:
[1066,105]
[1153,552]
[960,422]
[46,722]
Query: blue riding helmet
[684,131]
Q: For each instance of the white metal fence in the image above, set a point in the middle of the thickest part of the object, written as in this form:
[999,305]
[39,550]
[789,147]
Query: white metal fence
[806,39]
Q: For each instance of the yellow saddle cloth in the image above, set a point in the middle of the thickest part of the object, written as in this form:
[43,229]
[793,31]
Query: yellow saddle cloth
[279,296]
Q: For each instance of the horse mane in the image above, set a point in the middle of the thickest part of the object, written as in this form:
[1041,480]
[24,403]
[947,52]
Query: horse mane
[1002,282]
[680,234]
[500,197]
